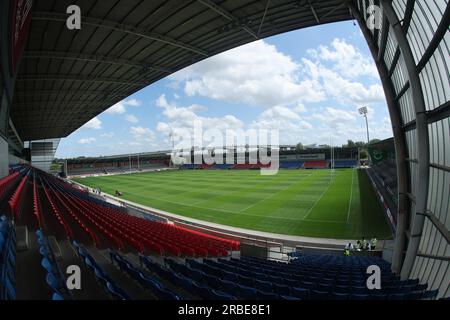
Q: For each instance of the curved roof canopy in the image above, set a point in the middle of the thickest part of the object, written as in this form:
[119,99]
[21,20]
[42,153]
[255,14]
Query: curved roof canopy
[67,76]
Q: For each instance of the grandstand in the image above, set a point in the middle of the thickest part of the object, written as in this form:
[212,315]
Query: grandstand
[53,80]
[116,164]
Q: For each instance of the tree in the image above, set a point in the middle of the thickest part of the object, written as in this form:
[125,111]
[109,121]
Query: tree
[350,144]
[299,146]
[374,141]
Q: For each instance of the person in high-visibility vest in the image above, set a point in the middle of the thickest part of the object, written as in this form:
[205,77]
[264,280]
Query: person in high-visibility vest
[346,252]
[373,243]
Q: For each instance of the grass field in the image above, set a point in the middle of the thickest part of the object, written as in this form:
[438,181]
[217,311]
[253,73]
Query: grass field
[294,202]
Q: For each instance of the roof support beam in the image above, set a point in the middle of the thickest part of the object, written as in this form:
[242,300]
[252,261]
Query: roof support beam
[28,93]
[224,13]
[263,17]
[13,129]
[399,140]
[93,58]
[423,166]
[383,40]
[54,77]
[119,27]
[436,40]
[314,12]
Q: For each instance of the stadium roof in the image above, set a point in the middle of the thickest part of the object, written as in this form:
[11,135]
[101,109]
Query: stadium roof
[67,77]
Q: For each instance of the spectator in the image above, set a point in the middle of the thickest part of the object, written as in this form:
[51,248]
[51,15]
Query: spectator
[373,243]
[359,245]
[350,246]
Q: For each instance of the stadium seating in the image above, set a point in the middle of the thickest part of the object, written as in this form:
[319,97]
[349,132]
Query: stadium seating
[7,259]
[55,277]
[223,166]
[190,166]
[142,278]
[248,166]
[345,163]
[321,164]
[316,277]
[291,164]
[73,209]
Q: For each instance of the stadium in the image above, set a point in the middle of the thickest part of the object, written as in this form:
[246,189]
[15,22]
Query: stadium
[238,221]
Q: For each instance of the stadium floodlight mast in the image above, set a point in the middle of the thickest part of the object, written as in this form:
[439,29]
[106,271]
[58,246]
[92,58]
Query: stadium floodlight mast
[363,111]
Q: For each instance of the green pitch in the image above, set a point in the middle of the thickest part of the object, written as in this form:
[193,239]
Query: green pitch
[295,202]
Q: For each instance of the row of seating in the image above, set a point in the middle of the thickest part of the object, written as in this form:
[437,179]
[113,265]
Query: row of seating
[150,284]
[115,291]
[7,259]
[240,279]
[318,164]
[8,182]
[73,209]
[294,164]
[55,277]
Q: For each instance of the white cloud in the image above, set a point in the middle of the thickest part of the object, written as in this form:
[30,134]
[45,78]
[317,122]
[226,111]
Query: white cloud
[94,123]
[334,115]
[346,59]
[142,134]
[256,74]
[131,118]
[107,135]
[271,78]
[120,107]
[133,102]
[300,108]
[86,140]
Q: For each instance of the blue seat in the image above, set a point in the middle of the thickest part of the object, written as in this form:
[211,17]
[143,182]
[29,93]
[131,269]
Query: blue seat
[10,289]
[116,292]
[379,296]
[40,234]
[164,294]
[289,298]
[281,289]
[267,295]
[57,296]
[218,295]
[397,296]
[203,291]
[247,293]
[43,251]
[53,282]
[319,295]
[186,284]
[230,277]
[308,285]
[45,263]
[415,295]
[229,287]
[263,285]
[149,283]
[359,290]
[134,273]
[301,293]
[101,277]
[246,281]
[357,296]
[212,281]
[89,264]
[324,287]
[339,296]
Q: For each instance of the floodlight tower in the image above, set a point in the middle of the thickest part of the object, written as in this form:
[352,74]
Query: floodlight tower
[363,111]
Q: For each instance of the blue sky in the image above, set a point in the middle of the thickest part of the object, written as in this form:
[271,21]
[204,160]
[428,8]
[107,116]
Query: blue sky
[307,83]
